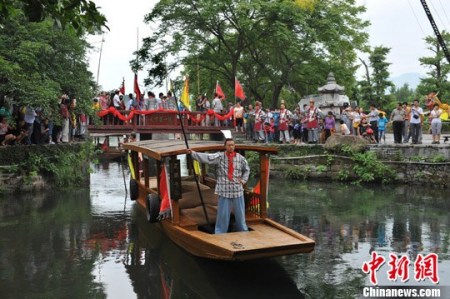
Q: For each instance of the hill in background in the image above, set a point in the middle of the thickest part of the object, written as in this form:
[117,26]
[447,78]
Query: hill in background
[412,79]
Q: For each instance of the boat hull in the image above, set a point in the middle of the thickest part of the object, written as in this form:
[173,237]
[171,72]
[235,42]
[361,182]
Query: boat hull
[265,239]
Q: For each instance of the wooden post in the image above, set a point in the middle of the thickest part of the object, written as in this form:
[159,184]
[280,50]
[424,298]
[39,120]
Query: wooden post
[135,160]
[263,165]
[146,173]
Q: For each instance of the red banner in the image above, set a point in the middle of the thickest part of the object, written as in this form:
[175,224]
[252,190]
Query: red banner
[118,114]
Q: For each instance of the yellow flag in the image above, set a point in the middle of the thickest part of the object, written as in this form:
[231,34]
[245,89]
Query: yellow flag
[185,95]
[197,168]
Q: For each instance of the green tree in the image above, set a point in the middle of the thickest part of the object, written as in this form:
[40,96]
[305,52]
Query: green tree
[438,68]
[38,62]
[373,88]
[402,94]
[273,47]
[82,15]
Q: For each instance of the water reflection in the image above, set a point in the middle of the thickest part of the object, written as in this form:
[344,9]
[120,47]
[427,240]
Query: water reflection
[349,222]
[157,268]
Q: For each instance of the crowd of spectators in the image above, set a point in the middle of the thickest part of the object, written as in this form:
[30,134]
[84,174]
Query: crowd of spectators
[25,124]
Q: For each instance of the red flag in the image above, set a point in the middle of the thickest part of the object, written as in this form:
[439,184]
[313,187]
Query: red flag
[238,91]
[105,144]
[137,91]
[164,191]
[219,91]
[122,87]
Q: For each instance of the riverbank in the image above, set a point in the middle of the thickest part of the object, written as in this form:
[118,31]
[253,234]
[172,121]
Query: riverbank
[38,167]
[44,167]
[387,163]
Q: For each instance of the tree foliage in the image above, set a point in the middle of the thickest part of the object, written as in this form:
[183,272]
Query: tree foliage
[373,88]
[402,94]
[273,47]
[39,62]
[82,15]
[438,68]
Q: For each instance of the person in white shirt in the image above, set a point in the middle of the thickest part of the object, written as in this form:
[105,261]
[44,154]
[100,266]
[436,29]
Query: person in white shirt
[344,129]
[217,107]
[416,121]
[116,100]
[436,123]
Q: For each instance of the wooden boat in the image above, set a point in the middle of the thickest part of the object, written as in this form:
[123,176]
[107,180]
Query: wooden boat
[110,148]
[156,172]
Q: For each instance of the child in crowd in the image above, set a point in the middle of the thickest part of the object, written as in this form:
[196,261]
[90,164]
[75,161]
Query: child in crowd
[382,122]
[270,130]
[344,129]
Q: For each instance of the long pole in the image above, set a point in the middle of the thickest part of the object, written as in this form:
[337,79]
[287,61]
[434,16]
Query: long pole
[100,59]
[235,79]
[192,162]
[198,78]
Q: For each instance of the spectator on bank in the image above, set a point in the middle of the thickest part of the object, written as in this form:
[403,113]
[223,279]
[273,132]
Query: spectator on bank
[382,123]
[249,116]
[30,117]
[343,128]
[116,100]
[217,107]
[260,117]
[407,128]
[312,124]
[373,120]
[6,137]
[415,121]
[239,117]
[436,123]
[329,125]
[297,126]
[356,120]
[398,121]
[150,102]
[347,117]
[283,125]
[65,115]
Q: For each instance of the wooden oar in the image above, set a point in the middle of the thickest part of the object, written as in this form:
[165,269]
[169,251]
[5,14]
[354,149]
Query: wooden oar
[191,164]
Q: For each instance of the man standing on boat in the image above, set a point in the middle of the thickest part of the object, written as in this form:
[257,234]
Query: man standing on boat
[232,173]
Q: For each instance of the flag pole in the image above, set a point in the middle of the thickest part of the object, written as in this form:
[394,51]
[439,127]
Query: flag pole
[100,58]
[191,160]
[198,78]
[215,88]
[235,79]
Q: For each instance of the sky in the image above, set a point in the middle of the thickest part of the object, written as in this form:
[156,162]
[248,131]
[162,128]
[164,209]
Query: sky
[398,24]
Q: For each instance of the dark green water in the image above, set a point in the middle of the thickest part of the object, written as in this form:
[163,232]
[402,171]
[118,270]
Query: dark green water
[94,244]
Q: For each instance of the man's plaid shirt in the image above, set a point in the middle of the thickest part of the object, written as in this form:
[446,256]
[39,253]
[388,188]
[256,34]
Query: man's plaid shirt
[224,186]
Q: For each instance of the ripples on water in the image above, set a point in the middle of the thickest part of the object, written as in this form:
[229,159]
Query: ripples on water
[93,243]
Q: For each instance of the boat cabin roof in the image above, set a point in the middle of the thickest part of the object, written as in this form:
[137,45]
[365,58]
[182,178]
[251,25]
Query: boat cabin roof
[159,149]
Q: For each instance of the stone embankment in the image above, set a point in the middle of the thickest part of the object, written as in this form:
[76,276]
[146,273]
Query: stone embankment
[407,164]
[341,168]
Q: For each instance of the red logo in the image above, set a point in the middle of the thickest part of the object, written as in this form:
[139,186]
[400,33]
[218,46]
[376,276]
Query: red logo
[424,267]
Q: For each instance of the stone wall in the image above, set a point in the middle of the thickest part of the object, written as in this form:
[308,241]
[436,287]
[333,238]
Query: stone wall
[409,152]
[332,167]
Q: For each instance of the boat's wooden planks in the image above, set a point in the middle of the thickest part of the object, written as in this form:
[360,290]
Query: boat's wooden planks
[262,236]
[159,149]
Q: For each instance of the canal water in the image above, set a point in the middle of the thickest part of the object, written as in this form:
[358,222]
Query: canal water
[94,243]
